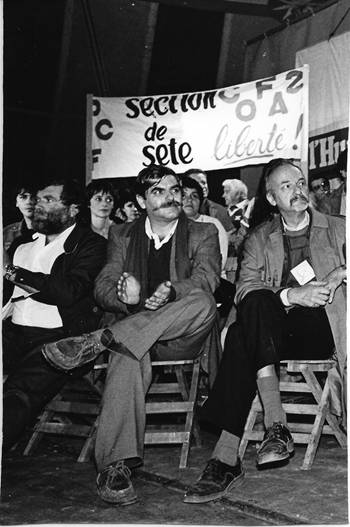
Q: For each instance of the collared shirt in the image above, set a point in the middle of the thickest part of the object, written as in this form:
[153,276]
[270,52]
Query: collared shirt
[154,236]
[238,208]
[305,222]
[37,257]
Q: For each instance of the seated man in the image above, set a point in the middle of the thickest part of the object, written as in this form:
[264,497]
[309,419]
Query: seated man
[208,206]
[53,297]
[291,304]
[159,278]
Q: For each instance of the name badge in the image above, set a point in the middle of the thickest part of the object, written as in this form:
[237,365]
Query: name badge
[303,273]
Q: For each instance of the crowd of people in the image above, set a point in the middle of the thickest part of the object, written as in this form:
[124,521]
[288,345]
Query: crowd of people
[143,274]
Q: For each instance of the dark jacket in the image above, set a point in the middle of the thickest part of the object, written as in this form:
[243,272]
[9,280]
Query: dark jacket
[215,210]
[70,284]
[203,251]
[331,204]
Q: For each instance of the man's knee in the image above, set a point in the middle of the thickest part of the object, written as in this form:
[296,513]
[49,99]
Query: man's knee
[204,303]
[258,296]
[262,301]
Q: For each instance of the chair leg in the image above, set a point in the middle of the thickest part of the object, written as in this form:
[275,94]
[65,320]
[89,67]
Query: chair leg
[37,435]
[182,382]
[315,435]
[318,393]
[251,419]
[86,451]
[189,417]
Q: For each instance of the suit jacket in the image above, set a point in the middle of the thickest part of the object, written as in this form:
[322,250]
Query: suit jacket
[215,210]
[203,252]
[69,286]
[262,265]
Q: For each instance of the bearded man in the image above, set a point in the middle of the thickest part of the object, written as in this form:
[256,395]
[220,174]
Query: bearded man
[53,275]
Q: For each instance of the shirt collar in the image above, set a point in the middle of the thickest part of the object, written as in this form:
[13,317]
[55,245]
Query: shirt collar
[301,225]
[237,207]
[60,238]
[154,236]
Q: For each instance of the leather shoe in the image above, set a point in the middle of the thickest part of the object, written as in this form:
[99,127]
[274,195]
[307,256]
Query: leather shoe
[217,480]
[72,352]
[114,484]
[277,445]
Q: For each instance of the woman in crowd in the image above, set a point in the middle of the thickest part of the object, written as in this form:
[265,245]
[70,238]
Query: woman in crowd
[20,230]
[126,206]
[100,201]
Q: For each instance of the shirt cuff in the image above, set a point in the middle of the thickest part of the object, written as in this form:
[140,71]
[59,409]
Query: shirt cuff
[284,298]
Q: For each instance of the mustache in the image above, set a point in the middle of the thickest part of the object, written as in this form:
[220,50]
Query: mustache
[168,204]
[301,197]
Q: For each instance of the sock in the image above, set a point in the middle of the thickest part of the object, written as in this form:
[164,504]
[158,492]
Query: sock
[107,339]
[271,400]
[226,449]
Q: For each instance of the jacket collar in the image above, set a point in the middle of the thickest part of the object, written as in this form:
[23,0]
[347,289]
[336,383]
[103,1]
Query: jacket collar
[79,232]
[317,219]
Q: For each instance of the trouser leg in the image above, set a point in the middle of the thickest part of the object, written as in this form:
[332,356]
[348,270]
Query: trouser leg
[264,335]
[181,328]
[120,432]
[191,317]
[27,390]
[250,344]
[18,340]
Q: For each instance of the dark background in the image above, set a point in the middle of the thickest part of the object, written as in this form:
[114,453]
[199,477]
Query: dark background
[56,52]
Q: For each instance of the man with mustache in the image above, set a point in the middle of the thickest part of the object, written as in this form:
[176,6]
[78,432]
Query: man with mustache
[291,304]
[157,290]
[53,274]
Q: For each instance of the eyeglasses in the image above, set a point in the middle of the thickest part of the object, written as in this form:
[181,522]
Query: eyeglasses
[320,186]
[47,199]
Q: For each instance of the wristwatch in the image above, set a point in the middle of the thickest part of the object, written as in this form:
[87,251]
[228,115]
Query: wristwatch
[10,271]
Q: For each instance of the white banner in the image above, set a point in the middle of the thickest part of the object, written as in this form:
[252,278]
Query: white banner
[240,125]
[329,63]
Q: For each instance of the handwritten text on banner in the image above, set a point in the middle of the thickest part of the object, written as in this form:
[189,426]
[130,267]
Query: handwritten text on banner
[240,125]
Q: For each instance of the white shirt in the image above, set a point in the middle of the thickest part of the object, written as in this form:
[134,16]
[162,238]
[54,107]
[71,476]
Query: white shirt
[39,258]
[223,238]
[154,236]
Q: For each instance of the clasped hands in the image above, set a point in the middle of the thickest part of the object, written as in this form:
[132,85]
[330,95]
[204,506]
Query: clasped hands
[317,293]
[129,290]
